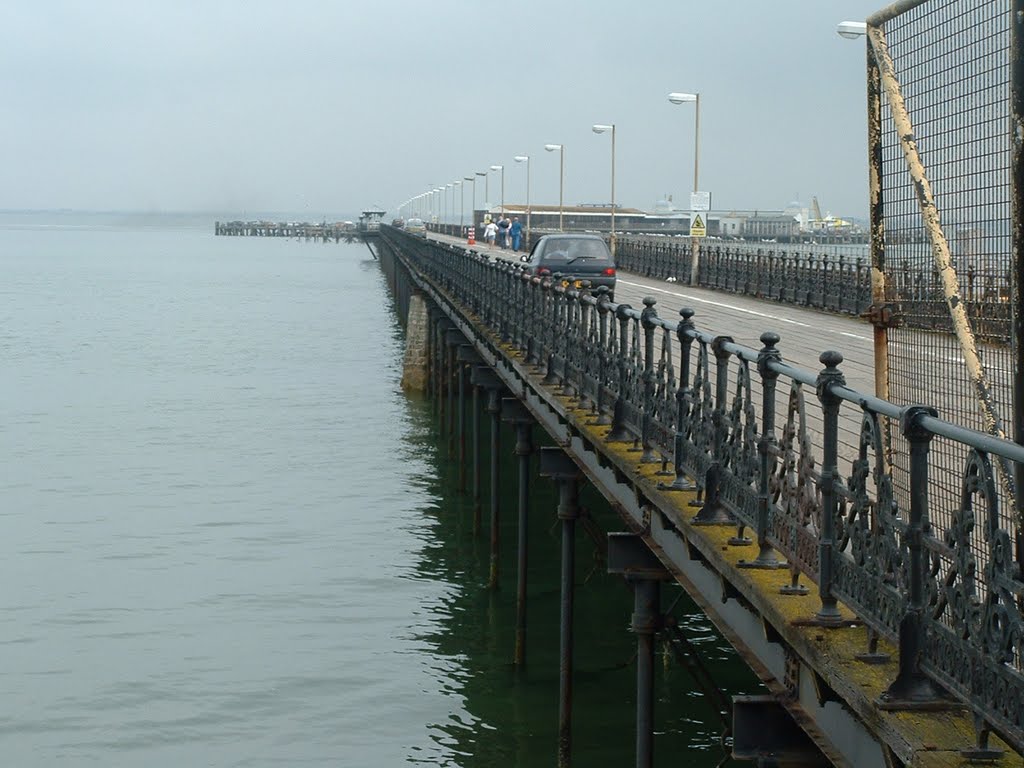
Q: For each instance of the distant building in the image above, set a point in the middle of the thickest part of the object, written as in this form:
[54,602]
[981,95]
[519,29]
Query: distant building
[370,220]
[790,224]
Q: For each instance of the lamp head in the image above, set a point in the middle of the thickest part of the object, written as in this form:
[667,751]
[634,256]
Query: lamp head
[851,30]
[599,128]
[682,98]
[497,167]
[469,178]
[522,158]
[552,147]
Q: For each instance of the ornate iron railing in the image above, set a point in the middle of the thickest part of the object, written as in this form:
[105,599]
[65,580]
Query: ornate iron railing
[828,279]
[944,583]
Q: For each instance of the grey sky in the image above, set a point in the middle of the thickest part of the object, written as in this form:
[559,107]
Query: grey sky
[328,107]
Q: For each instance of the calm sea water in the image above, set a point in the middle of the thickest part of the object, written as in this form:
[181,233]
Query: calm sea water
[229,539]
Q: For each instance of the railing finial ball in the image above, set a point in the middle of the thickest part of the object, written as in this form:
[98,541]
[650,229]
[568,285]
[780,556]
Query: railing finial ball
[830,358]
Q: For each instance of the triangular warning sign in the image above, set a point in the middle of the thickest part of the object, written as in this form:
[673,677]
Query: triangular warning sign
[698,222]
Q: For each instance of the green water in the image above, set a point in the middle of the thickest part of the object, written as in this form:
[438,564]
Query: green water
[231,540]
[513,712]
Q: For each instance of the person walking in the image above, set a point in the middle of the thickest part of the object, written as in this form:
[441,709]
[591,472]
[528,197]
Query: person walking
[490,232]
[516,231]
[503,223]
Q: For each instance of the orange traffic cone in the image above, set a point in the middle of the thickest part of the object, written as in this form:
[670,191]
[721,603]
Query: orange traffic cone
[472,236]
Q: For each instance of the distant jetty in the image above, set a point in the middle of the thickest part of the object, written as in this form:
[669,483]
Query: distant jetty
[325,232]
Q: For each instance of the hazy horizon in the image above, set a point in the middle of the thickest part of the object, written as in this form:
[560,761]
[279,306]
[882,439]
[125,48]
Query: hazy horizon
[328,107]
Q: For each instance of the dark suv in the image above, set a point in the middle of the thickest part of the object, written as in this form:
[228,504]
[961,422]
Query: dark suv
[574,258]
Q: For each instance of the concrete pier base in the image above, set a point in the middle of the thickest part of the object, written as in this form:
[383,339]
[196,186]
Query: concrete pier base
[415,366]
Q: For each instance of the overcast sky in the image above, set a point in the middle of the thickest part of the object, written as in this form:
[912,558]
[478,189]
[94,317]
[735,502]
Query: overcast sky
[327,107]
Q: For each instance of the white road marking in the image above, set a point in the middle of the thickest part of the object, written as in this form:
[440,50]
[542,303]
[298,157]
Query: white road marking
[744,310]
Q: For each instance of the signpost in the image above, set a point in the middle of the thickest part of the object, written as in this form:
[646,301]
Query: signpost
[700,205]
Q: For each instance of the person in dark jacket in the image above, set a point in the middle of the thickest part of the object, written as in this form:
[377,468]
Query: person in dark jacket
[503,225]
[516,232]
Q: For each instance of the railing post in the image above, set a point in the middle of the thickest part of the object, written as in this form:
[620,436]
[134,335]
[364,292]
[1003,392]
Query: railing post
[713,513]
[570,337]
[530,318]
[603,310]
[647,321]
[551,304]
[684,333]
[912,689]
[769,354]
[829,376]
[618,432]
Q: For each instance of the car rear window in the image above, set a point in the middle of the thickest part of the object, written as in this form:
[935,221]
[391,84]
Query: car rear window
[576,251]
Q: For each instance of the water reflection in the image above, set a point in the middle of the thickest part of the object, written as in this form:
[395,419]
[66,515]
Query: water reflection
[501,715]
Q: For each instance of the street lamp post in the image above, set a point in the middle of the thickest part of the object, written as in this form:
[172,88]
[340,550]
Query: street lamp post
[526,159]
[601,128]
[561,178]
[486,176]
[502,169]
[472,203]
[462,200]
[685,98]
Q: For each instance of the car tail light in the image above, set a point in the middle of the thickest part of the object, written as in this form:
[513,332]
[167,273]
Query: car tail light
[543,271]
[609,271]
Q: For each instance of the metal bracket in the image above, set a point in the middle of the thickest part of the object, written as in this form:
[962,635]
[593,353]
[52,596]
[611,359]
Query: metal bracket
[883,316]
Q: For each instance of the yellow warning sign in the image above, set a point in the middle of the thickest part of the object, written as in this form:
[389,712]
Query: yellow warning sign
[697,226]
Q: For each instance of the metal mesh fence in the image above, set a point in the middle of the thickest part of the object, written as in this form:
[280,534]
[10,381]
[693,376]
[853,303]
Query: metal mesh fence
[953,67]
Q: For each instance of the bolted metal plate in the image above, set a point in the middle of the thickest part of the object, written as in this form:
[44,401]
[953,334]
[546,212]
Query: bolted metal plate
[483,376]
[763,730]
[629,555]
[554,462]
[513,410]
[466,353]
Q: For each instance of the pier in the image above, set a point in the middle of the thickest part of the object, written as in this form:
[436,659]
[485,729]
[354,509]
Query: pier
[322,232]
[827,457]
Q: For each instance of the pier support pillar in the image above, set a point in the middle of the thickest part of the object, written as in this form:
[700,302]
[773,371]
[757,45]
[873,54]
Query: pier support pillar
[475,450]
[630,557]
[515,412]
[442,378]
[415,366]
[453,339]
[556,464]
[466,356]
[488,379]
